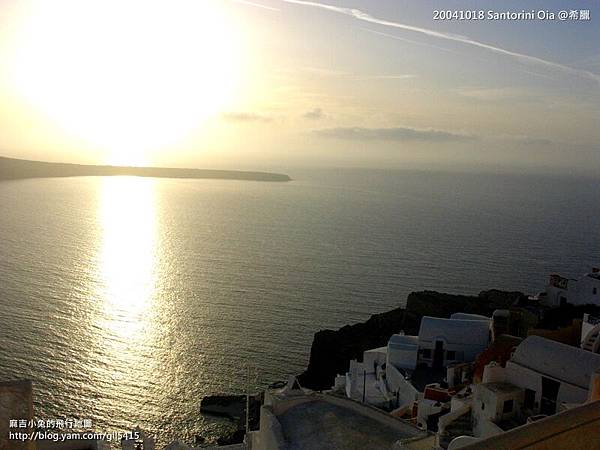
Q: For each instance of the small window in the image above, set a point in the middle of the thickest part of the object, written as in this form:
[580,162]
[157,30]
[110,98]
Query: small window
[426,353]
[594,291]
[508,406]
[482,406]
[451,355]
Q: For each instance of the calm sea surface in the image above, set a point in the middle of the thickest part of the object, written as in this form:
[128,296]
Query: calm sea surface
[127,300]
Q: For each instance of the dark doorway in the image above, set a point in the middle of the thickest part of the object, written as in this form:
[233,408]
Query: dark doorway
[438,355]
[549,395]
[529,401]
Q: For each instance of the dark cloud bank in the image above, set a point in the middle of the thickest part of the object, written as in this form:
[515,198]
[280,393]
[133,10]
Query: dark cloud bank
[393,134]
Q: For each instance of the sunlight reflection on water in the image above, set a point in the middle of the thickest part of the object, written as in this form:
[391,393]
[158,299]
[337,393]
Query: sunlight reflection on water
[128,254]
[127,272]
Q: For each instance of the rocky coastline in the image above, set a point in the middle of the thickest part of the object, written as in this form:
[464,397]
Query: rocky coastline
[332,350]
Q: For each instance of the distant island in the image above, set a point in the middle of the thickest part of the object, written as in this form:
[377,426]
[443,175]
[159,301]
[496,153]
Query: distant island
[14,169]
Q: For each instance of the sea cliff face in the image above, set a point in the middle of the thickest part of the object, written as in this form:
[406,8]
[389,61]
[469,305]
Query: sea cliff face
[332,351]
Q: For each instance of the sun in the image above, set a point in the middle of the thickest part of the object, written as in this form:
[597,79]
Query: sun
[129,76]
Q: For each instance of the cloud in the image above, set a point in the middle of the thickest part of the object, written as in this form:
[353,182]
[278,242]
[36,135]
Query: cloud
[403,76]
[313,114]
[521,57]
[246,117]
[405,134]
[393,134]
[499,94]
[529,140]
[410,41]
[526,140]
[333,73]
[256,5]
[325,72]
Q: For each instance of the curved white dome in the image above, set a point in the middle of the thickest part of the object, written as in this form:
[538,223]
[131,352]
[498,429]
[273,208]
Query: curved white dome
[560,361]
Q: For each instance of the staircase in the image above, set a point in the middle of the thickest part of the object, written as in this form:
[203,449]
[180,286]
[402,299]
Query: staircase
[591,342]
[461,426]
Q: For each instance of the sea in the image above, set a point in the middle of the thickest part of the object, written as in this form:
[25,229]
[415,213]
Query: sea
[127,300]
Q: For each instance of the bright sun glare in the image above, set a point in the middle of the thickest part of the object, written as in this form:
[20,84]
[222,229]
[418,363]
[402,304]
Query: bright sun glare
[129,76]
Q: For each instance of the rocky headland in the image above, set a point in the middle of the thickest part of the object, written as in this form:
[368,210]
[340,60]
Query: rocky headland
[332,350]
[14,169]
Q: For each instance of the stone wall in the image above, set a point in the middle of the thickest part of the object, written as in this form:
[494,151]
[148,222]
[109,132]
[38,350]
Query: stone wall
[16,402]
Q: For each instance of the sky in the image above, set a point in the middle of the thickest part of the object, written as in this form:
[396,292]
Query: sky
[292,83]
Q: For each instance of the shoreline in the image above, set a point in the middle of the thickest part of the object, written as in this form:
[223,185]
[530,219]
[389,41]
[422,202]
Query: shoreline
[332,350]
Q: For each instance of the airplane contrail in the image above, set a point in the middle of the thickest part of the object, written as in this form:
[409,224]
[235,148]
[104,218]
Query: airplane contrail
[256,5]
[528,59]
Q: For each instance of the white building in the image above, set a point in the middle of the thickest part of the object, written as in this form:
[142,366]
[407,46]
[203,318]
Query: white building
[590,333]
[363,381]
[585,290]
[549,373]
[448,341]
[495,403]
[576,428]
[403,351]
[297,418]
[542,377]
[383,378]
[441,342]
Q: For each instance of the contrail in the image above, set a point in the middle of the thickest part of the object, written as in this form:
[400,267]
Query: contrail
[410,41]
[256,5]
[528,59]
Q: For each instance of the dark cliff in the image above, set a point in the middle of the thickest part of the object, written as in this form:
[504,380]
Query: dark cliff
[332,351]
[437,304]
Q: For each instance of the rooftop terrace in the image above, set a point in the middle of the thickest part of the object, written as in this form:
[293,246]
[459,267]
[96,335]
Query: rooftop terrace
[341,424]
